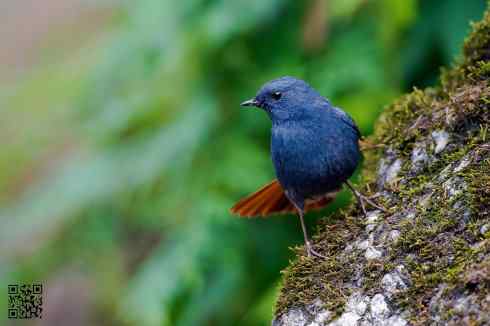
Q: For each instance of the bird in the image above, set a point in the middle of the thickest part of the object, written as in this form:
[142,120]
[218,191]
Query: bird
[314,149]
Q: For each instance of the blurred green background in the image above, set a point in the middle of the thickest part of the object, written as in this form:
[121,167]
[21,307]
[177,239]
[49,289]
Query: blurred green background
[123,144]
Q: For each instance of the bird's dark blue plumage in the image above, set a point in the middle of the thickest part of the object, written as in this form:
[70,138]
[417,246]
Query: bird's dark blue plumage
[314,148]
[314,145]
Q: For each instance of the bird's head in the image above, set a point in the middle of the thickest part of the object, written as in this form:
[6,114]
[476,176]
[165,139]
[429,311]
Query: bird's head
[285,98]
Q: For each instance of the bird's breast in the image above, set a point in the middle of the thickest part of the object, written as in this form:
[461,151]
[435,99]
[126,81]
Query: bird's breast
[312,159]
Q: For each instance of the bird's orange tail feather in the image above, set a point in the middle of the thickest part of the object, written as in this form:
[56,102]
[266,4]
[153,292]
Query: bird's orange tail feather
[271,199]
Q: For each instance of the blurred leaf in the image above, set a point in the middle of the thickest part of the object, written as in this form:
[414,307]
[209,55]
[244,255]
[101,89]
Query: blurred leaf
[84,179]
[436,37]
[343,8]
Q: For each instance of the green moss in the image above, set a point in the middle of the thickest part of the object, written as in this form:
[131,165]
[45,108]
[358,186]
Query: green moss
[437,246]
[308,279]
[442,243]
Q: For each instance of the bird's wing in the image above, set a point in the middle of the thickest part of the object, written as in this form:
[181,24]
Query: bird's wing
[348,120]
[271,199]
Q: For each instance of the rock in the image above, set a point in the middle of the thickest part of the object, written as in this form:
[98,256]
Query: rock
[454,186]
[441,139]
[379,307]
[373,216]
[372,253]
[294,317]
[394,235]
[358,304]
[393,282]
[463,164]
[347,319]
[485,228]
[389,172]
[419,157]
[396,321]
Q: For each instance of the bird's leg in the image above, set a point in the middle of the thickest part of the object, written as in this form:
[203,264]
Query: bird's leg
[361,199]
[309,247]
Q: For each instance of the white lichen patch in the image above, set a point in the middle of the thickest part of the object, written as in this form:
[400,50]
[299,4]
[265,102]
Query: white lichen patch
[410,215]
[321,317]
[394,235]
[425,201]
[366,245]
[373,216]
[485,228]
[294,317]
[348,318]
[441,139]
[355,308]
[444,174]
[419,157]
[319,313]
[370,227]
[372,220]
[388,170]
[393,282]
[454,186]
[463,164]
[379,307]
[357,303]
[393,171]
[363,245]
[361,310]
[372,253]
[396,320]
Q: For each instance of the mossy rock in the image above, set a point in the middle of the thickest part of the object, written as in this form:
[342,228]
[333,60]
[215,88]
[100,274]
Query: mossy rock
[428,260]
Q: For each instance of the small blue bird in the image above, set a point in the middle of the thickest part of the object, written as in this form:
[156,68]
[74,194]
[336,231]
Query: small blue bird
[314,148]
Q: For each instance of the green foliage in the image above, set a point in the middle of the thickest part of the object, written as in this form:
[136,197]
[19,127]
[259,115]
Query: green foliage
[121,162]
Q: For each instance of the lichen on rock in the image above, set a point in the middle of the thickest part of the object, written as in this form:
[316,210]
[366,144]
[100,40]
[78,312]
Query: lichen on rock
[428,260]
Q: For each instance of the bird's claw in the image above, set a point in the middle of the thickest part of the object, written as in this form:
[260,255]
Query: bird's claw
[371,203]
[312,253]
[362,198]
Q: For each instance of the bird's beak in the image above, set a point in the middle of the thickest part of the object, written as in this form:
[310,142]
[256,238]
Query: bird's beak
[251,102]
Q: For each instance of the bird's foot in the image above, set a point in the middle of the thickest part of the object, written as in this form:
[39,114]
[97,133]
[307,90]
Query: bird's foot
[362,199]
[311,252]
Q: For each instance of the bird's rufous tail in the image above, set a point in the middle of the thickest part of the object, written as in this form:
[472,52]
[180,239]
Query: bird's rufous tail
[270,199]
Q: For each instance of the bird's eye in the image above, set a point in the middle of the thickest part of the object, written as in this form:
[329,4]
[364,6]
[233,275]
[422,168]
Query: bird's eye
[276,95]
